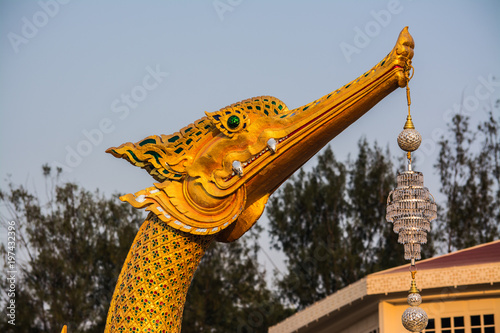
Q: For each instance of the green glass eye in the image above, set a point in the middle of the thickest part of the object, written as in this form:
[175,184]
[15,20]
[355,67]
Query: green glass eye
[233,122]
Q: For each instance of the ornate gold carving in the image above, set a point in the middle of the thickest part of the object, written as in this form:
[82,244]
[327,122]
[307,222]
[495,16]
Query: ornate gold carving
[200,194]
[151,290]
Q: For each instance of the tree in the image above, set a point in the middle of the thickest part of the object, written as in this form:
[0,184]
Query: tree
[372,177]
[469,169]
[306,218]
[229,291]
[330,223]
[69,253]
[74,246]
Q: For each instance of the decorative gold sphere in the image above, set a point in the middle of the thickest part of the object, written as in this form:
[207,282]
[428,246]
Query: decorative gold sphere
[414,299]
[414,319]
[409,140]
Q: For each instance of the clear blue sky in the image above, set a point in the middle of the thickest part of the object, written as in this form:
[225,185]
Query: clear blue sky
[67,67]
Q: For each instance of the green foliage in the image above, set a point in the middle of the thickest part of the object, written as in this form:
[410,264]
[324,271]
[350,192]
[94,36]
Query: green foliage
[469,168]
[370,236]
[330,223]
[70,250]
[306,218]
[74,246]
[229,292]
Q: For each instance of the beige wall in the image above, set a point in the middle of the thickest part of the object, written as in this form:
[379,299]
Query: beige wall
[383,310]
[390,313]
[390,318]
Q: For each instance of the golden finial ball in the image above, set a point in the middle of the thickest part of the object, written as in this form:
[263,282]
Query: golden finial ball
[414,319]
[414,299]
[409,140]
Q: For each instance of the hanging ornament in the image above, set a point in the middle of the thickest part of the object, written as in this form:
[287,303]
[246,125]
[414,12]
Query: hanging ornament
[411,208]
[414,318]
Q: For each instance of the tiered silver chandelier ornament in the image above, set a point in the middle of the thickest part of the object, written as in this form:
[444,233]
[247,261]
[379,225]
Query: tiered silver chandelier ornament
[411,208]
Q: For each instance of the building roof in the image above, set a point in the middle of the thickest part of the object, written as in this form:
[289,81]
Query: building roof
[472,266]
[480,254]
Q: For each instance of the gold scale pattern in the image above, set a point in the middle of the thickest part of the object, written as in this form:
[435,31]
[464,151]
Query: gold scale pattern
[152,286]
